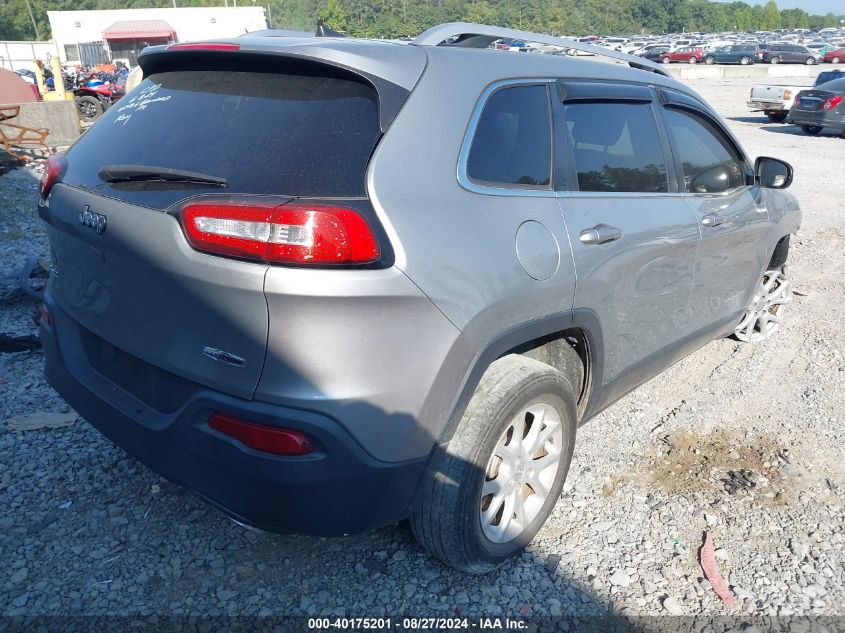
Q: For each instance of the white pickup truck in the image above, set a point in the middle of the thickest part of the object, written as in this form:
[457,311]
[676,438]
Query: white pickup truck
[776,100]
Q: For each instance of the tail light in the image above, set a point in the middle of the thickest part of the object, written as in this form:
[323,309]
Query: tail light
[268,439]
[787,94]
[53,169]
[832,102]
[286,234]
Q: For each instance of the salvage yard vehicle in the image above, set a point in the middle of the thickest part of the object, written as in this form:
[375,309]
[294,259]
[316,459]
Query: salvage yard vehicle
[777,100]
[819,108]
[743,54]
[790,54]
[368,311]
[687,55]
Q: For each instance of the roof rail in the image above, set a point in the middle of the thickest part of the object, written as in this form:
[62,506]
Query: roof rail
[480,35]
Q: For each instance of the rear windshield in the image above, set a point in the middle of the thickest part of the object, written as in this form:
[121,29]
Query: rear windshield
[265,133]
[837,85]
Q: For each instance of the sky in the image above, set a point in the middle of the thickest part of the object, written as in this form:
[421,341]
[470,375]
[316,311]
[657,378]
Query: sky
[813,7]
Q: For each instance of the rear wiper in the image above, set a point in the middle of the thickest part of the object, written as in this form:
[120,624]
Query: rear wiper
[141,173]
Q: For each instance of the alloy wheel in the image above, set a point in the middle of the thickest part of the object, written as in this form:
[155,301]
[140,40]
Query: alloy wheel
[521,472]
[765,315]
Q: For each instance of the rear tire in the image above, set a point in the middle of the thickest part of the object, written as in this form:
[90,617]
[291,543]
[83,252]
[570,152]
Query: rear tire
[812,130]
[709,61]
[777,117]
[666,60]
[745,61]
[835,60]
[477,532]
[693,60]
[774,60]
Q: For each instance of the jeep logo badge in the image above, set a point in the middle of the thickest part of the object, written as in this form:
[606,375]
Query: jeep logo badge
[92,220]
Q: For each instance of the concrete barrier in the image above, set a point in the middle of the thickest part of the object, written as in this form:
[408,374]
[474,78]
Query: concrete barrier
[754,71]
[59,117]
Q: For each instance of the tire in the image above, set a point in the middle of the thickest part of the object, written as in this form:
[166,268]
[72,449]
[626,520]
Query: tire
[810,61]
[774,60]
[765,314]
[835,60]
[777,117]
[693,60]
[666,60]
[812,130]
[709,60]
[89,108]
[448,520]
[745,61]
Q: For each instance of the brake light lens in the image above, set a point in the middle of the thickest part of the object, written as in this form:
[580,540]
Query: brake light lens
[204,46]
[268,439]
[53,168]
[286,234]
[787,94]
[832,102]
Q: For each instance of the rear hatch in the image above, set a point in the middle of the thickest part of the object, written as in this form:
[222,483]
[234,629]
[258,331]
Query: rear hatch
[812,100]
[271,130]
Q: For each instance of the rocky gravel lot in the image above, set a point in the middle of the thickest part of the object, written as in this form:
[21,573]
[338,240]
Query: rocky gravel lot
[746,440]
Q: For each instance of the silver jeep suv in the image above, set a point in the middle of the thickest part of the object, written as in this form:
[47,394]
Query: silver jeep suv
[329,284]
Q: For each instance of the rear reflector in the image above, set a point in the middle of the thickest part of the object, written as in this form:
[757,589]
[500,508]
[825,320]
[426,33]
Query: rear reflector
[268,439]
[53,168]
[204,46]
[286,234]
[46,318]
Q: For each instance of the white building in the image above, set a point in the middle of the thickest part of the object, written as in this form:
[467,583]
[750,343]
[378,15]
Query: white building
[91,37]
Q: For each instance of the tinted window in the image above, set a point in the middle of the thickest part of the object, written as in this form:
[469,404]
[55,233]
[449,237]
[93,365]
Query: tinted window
[710,163]
[512,143]
[265,133]
[616,147]
[837,85]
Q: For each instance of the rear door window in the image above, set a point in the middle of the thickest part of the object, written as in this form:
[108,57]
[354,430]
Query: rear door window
[265,133]
[616,147]
[512,145]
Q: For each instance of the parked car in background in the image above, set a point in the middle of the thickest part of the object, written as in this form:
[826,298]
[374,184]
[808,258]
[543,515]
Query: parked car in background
[687,55]
[790,54]
[653,53]
[735,54]
[291,320]
[835,56]
[819,108]
[777,100]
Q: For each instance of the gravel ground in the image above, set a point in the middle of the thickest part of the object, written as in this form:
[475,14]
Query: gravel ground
[745,439]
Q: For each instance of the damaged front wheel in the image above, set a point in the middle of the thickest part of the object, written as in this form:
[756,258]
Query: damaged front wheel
[765,315]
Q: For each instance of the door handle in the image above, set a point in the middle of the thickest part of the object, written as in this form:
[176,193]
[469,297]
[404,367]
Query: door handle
[600,234]
[711,220]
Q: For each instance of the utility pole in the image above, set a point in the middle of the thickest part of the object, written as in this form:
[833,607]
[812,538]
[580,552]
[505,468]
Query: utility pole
[32,17]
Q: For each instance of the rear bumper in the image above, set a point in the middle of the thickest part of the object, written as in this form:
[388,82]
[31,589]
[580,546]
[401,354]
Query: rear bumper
[821,118]
[766,106]
[338,489]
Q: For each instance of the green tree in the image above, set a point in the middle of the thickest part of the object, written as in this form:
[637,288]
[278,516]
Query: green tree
[333,15]
[771,17]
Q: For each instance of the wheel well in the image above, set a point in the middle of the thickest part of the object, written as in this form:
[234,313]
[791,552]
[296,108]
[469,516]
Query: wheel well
[568,352]
[780,254]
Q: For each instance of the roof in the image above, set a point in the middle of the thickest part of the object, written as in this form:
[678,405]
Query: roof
[139,29]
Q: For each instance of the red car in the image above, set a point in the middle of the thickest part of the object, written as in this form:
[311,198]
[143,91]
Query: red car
[835,56]
[688,54]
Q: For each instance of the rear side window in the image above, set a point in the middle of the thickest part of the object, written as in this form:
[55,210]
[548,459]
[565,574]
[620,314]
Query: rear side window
[512,145]
[709,161]
[616,147]
[265,133]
